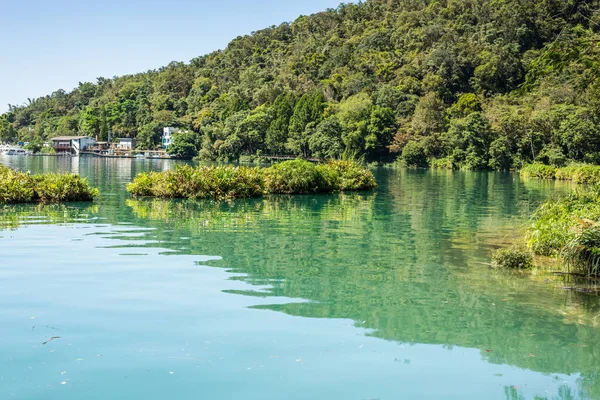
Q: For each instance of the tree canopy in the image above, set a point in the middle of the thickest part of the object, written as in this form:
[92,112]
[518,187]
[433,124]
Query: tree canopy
[467,84]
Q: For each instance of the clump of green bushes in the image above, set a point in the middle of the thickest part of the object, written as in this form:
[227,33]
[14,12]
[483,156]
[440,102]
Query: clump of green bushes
[538,170]
[19,187]
[515,257]
[228,182]
[220,182]
[582,253]
[578,173]
[567,228]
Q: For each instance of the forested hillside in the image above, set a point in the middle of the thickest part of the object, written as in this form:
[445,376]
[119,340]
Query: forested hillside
[457,83]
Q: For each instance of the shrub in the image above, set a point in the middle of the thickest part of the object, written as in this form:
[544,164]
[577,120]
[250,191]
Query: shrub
[582,253]
[537,170]
[413,155]
[586,174]
[515,257]
[294,176]
[568,228]
[220,182]
[579,173]
[15,187]
[52,188]
[227,182]
[442,163]
[18,187]
[345,175]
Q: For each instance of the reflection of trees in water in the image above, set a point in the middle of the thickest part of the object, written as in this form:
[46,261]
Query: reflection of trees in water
[403,262]
[14,216]
[407,268]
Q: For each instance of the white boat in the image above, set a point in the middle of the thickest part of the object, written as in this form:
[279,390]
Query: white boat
[15,151]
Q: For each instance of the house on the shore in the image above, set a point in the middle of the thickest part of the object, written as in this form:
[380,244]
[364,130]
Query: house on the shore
[72,144]
[126,144]
[167,136]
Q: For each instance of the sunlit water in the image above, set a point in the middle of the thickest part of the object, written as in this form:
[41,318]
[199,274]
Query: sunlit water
[383,295]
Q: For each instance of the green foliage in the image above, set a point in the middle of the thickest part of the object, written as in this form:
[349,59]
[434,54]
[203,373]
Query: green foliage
[388,72]
[557,222]
[537,170]
[293,177]
[219,182]
[582,253]
[307,113]
[579,173]
[54,188]
[227,182]
[326,142]
[35,146]
[468,140]
[184,145]
[515,257]
[413,155]
[18,187]
[342,175]
[15,187]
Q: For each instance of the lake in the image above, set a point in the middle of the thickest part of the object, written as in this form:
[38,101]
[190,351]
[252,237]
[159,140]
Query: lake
[383,295]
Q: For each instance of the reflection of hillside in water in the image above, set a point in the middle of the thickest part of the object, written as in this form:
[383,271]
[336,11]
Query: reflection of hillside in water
[405,262]
[409,267]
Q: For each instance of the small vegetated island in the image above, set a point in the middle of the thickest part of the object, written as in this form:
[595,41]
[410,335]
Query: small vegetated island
[20,187]
[567,228]
[229,182]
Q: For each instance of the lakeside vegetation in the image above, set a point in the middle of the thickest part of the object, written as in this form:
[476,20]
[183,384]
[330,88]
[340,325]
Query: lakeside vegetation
[20,187]
[470,85]
[229,182]
[578,173]
[567,229]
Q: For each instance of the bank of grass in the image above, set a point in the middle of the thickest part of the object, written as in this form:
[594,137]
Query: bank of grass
[568,229]
[229,182]
[20,187]
[579,173]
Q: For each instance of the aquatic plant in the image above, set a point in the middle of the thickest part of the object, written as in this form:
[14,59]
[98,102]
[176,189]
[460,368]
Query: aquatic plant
[515,257]
[579,173]
[15,187]
[569,228]
[295,177]
[582,254]
[346,175]
[556,222]
[538,170]
[228,182]
[20,187]
[584,174]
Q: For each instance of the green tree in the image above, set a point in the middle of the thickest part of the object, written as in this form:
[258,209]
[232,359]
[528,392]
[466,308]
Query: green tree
[277,133]
[185,145]
[326,141]
[309,109]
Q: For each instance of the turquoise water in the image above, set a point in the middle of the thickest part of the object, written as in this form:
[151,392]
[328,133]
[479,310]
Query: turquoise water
[381,295]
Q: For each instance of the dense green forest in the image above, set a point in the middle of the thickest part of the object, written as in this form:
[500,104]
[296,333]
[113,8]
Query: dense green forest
[450,83]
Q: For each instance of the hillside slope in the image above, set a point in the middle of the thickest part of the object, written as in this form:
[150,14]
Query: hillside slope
[455,83]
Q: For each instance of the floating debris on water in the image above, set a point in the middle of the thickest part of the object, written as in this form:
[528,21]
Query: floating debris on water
[51,339]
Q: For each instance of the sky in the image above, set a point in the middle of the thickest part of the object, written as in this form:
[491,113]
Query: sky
[48,45]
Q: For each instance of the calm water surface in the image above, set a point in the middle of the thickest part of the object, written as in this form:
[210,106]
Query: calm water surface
[383,295]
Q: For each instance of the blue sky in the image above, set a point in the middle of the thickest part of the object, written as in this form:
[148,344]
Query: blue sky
[54,44]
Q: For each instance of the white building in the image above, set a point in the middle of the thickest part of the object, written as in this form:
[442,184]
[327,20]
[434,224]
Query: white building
[167,136]
[126,144]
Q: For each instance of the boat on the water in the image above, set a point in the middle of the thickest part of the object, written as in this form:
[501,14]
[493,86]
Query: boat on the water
[14,151]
